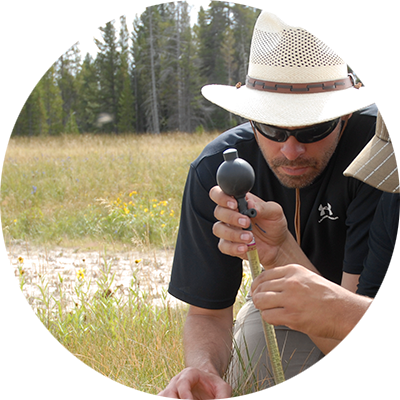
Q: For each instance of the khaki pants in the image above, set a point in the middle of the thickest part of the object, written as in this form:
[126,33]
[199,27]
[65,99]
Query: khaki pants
[250,369]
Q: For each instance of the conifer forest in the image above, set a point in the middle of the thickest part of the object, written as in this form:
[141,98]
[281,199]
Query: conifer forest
[145,78]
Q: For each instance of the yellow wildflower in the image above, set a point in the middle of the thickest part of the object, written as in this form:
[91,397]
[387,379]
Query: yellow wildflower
[138,261]
[20,260]
[80,274]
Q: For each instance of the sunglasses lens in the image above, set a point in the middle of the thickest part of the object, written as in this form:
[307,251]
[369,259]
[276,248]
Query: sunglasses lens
[317,132]
[272,132]
[305,135]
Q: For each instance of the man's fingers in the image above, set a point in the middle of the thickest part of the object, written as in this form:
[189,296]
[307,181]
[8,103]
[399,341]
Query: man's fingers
[231,217]
[228,232]
[219,197]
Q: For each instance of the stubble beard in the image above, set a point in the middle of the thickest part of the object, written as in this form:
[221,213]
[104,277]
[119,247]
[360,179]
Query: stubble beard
[316,166]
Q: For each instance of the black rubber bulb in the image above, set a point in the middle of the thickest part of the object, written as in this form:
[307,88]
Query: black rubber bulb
[236,177]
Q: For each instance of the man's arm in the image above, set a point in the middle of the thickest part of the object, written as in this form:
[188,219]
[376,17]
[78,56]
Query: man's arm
[208,339]
[207,342]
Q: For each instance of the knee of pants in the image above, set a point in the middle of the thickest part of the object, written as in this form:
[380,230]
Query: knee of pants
[297,350]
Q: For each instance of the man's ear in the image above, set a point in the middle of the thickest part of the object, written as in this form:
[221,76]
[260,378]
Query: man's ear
[345,118]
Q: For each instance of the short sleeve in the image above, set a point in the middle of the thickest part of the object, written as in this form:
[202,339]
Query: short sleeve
[359,217]
[201,275]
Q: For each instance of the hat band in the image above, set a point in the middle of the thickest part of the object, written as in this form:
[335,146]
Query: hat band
[316,87]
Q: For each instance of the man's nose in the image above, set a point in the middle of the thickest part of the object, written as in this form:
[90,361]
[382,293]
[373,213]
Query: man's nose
[292,149]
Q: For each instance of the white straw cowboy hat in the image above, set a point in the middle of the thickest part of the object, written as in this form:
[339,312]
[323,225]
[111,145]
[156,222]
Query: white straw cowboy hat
[293,80]
[376,164]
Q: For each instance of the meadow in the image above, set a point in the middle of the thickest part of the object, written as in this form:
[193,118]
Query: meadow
[101,193]
[95,192]
[96,188]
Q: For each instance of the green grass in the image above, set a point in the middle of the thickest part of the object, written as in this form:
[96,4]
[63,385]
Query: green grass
[118,333]
[95,192]
[96,188]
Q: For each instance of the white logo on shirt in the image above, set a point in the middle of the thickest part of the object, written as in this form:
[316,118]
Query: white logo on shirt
[326,212]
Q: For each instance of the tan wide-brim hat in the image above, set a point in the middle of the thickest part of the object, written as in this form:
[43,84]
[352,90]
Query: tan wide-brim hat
[293,80]
[376,164]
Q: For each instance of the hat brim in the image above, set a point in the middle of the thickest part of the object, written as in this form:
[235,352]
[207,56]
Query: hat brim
[286,109]
[376,166]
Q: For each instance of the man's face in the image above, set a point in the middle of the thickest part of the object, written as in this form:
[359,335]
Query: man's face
[297,164]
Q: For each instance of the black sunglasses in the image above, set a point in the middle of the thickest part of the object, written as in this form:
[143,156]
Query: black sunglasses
[309,134]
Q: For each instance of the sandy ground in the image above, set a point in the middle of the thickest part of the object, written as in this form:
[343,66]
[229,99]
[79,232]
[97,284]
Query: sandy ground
[58,268]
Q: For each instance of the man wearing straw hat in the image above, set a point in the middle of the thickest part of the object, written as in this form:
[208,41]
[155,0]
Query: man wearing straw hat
[294,296]
[308,121]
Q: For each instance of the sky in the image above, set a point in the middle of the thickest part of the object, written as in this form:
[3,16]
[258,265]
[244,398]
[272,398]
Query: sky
[23,17]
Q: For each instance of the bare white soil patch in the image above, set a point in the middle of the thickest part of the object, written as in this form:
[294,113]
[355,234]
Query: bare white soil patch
[56,271]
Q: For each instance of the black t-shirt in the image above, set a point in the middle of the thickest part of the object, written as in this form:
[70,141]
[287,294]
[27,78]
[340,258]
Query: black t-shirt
[336,213]
[382,238]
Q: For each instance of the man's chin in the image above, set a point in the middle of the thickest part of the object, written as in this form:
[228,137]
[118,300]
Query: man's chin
[295,181]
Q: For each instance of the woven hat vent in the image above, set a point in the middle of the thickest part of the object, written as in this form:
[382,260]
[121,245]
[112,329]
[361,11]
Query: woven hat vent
[283,50]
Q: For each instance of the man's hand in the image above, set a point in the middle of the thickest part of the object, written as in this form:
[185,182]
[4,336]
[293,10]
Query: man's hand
[192,383]
[269,227]
[298,298]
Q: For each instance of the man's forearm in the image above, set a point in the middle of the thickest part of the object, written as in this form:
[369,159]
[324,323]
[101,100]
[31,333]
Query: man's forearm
[208,339]
[291,253]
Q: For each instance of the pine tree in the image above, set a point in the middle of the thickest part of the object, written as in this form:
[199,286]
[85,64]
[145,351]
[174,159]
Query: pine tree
[146,53]
[108,63]
[88,104]
[154,118]
[211,38]
[25,110]
[126,98]
[53,102]
[58,43]
[244,19]
[213,23]
[71,126]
